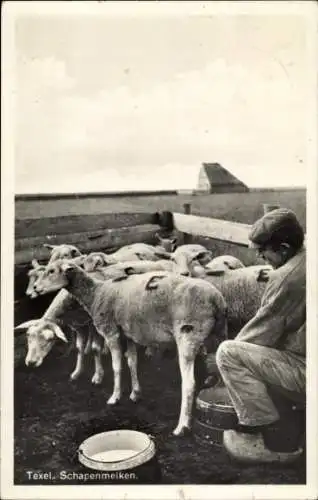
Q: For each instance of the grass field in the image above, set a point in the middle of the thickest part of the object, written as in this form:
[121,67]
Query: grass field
[52,415]
[239,207]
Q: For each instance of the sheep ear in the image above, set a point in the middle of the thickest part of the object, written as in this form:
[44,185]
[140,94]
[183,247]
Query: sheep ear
[26,324]
[158,237]
[51,247]
[58,332]
[174,244]
[35,264]
[215,272]
[75,252]
[103,259]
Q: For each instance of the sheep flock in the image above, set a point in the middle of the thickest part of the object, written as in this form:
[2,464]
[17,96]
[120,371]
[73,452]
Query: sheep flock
[153,296]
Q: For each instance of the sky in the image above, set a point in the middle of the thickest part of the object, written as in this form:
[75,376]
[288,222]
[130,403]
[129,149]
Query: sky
[121,103]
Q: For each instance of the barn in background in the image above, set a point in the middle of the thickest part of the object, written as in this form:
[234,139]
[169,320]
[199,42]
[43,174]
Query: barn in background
[213,178]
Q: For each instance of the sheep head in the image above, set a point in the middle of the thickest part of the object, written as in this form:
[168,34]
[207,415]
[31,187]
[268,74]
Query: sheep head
[41,336]
[186,257]
[62,251]
[55,276]
[95,260]
[33,274]
[167,244]
[225,263]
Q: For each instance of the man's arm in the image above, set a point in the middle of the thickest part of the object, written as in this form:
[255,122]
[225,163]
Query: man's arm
[268,325]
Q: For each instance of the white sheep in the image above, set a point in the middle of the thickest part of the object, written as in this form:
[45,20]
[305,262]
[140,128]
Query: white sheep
[33,275]
[185,255]
[43,333]
[94,262]
[136,251]
[149,309]
[63,251]
[167,244]
[225,263]
[242,289]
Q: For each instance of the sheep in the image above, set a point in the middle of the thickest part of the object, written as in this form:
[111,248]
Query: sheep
[242,289]
[148,309]
[93,262]
[136,251]
[59,311]
[167,244]
[65,310]
[63,251]
[224,262]
[184,255]
[33,275]
[42,334]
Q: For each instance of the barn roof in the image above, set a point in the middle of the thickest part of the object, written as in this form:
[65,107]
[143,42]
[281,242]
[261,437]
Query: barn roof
[219,176]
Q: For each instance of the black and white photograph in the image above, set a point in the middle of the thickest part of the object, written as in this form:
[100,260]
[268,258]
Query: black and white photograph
[158,257]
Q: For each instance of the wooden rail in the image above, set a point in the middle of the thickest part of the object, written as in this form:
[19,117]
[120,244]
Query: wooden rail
[67,224]
[89,232]
[32,248]
[218,229]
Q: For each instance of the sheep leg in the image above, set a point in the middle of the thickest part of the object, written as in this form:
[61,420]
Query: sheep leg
[99,370]
[89,342]
[116,354]
[80,346]
[186,352]
[132,361]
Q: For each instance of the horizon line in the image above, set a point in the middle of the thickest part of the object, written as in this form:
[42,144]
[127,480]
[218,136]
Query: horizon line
[145,192]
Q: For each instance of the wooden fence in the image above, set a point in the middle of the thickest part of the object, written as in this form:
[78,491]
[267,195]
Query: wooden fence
[89,232]
[109,231]
[112,230]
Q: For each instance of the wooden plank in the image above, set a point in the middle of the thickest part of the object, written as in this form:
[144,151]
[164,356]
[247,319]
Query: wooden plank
[28,228]
[110,238]
[58,239]
[212,228]
[186,237]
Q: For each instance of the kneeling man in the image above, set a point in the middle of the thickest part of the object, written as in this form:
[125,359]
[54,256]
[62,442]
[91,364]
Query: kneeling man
[270,351]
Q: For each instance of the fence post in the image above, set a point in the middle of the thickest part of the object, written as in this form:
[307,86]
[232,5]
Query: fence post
[166,221]
[186,238]
[267,207]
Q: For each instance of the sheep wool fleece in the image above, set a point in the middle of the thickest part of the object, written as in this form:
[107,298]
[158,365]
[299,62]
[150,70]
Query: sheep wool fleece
[270,350]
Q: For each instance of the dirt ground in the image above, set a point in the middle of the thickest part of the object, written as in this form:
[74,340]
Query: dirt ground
[53,416]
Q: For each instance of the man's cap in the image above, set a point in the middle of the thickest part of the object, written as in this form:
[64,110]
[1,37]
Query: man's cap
[278,226]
